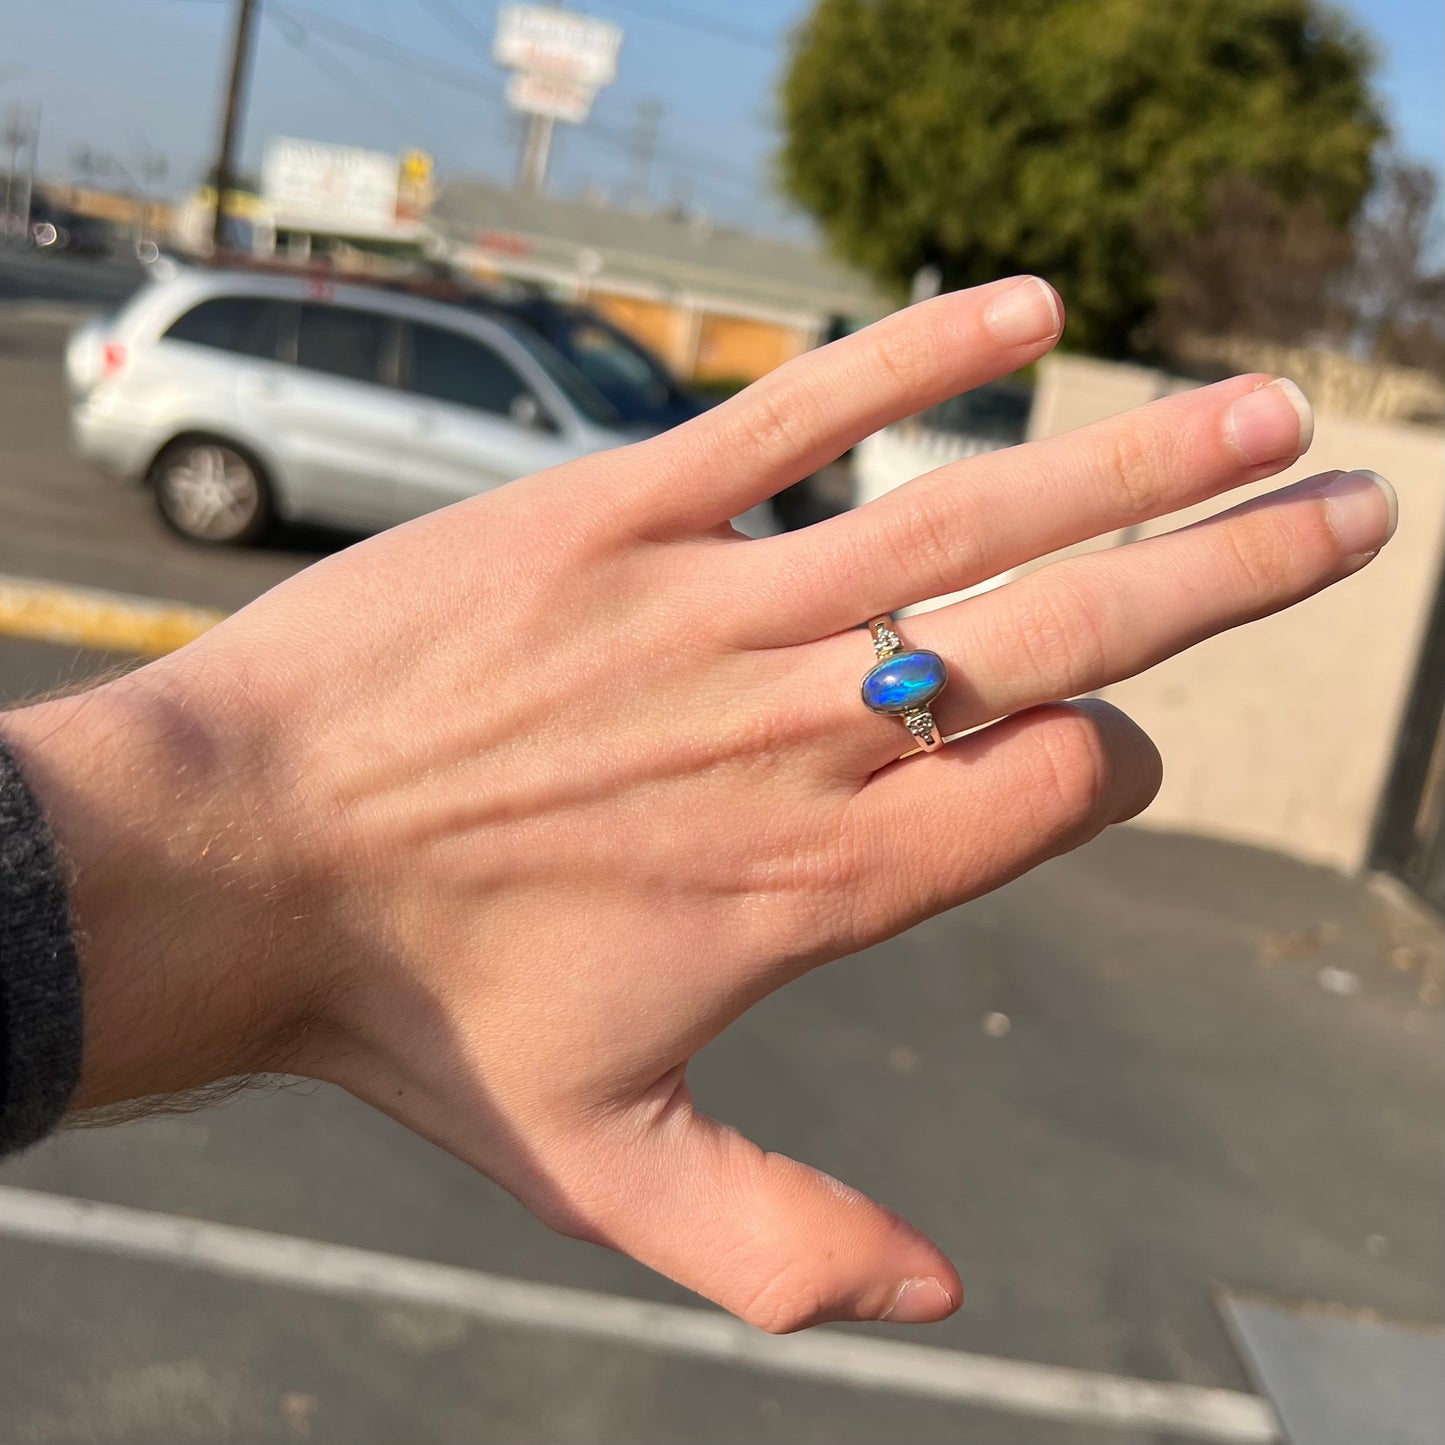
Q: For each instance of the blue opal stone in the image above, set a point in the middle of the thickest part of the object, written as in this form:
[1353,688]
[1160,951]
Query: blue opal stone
[908,679]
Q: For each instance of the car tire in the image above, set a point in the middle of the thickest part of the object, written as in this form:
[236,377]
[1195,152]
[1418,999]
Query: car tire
[211,492]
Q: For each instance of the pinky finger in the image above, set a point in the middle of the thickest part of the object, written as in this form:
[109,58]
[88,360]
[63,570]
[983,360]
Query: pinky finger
[939,829]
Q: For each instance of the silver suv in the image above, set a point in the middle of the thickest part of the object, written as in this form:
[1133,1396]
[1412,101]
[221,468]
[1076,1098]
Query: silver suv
[245,397]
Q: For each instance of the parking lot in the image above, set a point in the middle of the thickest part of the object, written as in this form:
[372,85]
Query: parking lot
[1109,1091]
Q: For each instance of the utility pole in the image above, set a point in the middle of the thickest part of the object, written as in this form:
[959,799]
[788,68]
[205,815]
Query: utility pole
[242,45]
[32,161]
[644,148]
[15,136]
[153,169]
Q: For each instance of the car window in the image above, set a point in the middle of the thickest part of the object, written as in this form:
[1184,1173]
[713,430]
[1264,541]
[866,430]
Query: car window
[611,364]
[567,379]
[247,325]
[447,366]
[342,341]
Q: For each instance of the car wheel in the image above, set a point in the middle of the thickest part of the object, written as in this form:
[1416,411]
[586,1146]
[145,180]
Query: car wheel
[210,492]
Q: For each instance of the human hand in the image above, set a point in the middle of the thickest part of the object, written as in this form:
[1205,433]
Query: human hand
[496,819]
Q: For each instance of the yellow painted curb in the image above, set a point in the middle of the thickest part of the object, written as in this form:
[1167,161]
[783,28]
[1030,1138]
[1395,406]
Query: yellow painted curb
[106,621]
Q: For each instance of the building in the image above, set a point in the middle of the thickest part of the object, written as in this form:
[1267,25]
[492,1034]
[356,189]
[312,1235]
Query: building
[357,208]
[719,304]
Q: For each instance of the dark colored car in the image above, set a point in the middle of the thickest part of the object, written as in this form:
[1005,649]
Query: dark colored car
[57,228]
[638,384]
[997,412]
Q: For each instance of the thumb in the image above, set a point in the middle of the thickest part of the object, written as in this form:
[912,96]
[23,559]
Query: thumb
[779,1244]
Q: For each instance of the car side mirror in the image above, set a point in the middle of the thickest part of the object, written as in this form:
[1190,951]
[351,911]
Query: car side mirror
[527,411]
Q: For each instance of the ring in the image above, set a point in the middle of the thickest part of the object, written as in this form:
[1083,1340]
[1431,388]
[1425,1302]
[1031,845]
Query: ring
[903,682]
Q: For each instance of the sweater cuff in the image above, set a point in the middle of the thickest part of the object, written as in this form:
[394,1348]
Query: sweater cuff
[40,1012]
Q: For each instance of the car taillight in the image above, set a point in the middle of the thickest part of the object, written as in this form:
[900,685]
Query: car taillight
[112,359]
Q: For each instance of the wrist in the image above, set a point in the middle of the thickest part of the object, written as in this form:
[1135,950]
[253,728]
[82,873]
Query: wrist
[167,830]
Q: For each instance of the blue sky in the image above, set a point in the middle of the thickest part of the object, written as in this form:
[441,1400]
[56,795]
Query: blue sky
[121,75]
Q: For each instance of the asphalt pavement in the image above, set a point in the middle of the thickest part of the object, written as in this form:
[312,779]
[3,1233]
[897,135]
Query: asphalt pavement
[1152,1069]
[34,278]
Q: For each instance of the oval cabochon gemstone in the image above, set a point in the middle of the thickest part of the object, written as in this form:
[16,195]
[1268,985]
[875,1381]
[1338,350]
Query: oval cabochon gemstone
[911,679]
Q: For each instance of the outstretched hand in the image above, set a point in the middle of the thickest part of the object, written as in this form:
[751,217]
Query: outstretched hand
[495,819]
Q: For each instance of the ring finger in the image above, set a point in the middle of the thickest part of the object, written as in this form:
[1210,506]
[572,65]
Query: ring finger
[1082,623]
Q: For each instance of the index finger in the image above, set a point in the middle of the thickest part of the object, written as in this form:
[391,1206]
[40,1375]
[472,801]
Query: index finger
[811,410]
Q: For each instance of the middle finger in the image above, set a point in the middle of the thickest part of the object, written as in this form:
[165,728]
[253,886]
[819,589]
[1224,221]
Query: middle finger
[973,519]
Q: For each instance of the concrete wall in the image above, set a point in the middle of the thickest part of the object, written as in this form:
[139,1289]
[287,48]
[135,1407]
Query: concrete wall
[1281,733]
[1336,382]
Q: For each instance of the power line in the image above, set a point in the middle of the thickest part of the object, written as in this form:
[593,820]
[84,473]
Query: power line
[296,35]
[383,18]
[378,47]
[625,140]
[368,42]
[460,24]
[380,10]
[701,24]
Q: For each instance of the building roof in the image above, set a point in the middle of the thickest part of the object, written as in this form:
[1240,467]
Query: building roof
[659,250]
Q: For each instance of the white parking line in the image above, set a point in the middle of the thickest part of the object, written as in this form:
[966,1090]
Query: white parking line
[1013,1386]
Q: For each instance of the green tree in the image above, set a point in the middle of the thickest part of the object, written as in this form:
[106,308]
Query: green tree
[986,137]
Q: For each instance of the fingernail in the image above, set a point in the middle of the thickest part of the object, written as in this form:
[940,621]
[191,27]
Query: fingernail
[1027,311]
[1362,510]
[918,1302]
[1271,423]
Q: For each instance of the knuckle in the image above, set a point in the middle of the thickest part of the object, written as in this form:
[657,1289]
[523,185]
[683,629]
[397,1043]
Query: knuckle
[923,544]
[904,353]
[774,420]
[1081,625]
[815,903]
[1075,771]
[758,738]
[1052,628]
[1261,555]
[801,882]
[1137,466]
[783,1303]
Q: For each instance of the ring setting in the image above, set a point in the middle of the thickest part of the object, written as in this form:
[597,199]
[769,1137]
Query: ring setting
[903,682]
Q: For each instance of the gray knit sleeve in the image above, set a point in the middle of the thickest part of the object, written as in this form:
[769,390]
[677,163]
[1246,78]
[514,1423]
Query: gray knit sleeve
[40,1017]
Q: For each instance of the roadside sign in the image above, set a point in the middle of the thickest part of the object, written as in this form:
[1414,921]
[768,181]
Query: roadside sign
[558,43]
[413,187]
[329,185]
[416,167]
[537,94]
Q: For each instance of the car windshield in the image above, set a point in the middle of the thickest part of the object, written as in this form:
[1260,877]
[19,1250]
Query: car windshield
[620,370]
[576,387]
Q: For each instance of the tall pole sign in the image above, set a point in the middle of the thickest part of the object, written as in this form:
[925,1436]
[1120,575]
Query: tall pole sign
[559,60]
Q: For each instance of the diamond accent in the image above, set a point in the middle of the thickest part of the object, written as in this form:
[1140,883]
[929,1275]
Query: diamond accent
[886,642]
[920,723]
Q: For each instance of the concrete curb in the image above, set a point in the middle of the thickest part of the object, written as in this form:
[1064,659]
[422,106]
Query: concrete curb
[104,621]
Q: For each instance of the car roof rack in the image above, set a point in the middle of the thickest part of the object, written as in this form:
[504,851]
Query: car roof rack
[436,284]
